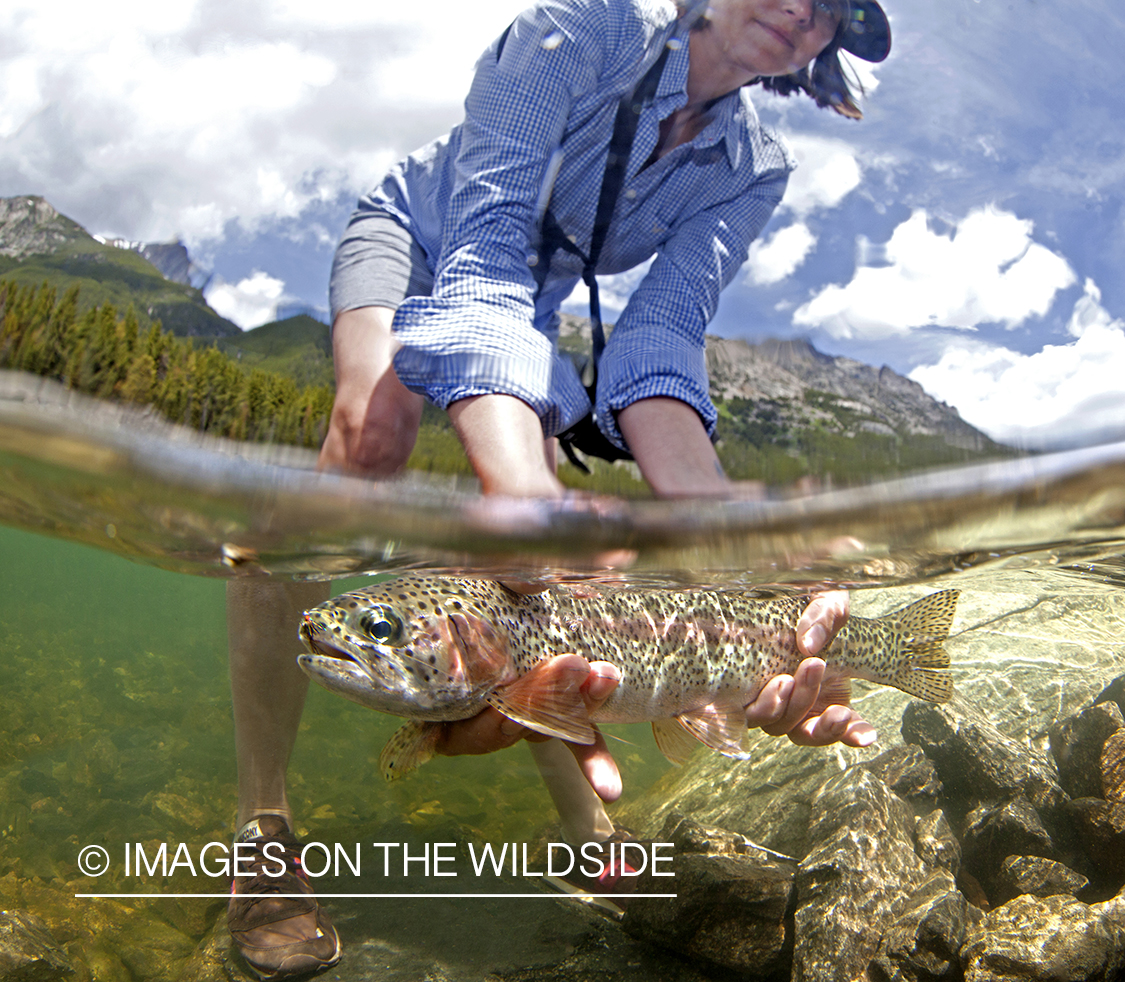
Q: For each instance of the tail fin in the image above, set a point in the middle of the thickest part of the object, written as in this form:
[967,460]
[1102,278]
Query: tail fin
[924,626]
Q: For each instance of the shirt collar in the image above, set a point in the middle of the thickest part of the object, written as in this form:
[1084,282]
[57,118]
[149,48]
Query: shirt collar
[730,115]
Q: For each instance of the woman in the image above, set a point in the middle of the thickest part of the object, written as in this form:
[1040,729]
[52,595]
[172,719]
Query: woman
[447,284]
[452,237]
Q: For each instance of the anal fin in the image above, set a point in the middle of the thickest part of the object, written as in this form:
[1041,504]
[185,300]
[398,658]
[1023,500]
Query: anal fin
[410,746]
[836,690]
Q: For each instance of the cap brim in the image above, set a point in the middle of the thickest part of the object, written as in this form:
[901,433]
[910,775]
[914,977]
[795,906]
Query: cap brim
[867,34]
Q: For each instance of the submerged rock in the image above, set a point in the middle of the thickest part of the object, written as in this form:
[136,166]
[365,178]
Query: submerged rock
[936,844]
[924,943]
[977,762]
[856,880]
[28,951]
[1076,744]
[1099,827]
[730,906]
[1112,767]
[910,774]
[1058,939]
[1037,876]
[1114,692]
[996,832]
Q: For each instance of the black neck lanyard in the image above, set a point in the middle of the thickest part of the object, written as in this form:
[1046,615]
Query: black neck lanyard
[620,144]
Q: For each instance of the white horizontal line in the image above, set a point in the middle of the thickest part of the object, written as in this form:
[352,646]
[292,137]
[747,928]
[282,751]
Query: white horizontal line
[387,896]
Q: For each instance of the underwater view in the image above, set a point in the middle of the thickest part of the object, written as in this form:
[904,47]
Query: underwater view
[970,834]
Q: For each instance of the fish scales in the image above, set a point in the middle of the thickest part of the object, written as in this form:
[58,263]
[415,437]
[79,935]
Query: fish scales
[438,648]
[680,651]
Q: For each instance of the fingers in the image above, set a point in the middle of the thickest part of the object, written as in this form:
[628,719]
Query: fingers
[837,724]
[595,760]
[599,685]
[822,618]
[803,688]
[489,730]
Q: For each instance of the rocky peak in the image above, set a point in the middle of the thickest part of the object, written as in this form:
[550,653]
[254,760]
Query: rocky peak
[29,225]
[792,371]
[791,353]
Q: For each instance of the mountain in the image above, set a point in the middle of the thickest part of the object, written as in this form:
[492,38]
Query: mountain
[300,347]
[808,388]
[171,258]
[38,244]
[787,410]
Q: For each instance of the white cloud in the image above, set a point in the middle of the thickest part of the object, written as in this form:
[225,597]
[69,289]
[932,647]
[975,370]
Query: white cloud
[249,303]
[988,270]
[1065,394]
[772,260]
[827,171]
[152,121]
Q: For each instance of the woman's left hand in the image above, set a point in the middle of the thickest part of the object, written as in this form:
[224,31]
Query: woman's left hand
[786,704]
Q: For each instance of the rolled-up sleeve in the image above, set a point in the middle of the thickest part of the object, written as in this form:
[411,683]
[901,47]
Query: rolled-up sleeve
[657,347]
[475,333]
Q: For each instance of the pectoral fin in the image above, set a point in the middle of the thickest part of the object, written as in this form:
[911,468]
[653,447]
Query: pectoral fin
[721,728]
[410,746]
[548,699]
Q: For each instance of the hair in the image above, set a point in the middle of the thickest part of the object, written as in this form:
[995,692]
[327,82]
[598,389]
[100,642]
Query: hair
[826,84]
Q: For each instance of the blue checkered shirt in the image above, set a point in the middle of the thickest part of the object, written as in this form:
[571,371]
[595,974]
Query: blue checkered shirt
[472,199]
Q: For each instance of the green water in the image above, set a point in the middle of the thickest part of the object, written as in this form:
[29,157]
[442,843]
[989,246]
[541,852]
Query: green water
[116,728]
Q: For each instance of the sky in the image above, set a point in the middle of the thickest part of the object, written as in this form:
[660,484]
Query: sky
[969,231]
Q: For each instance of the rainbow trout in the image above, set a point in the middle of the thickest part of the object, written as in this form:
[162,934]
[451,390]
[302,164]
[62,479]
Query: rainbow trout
[439,648]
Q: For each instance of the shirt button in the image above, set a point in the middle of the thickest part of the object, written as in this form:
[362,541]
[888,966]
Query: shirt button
[630,194]
[532,259]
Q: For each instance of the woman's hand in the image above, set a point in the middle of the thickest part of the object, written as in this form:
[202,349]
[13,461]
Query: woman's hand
[490,730]
[793,705]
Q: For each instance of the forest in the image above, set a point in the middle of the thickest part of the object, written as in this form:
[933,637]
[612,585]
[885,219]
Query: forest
[272,385]
[106,354]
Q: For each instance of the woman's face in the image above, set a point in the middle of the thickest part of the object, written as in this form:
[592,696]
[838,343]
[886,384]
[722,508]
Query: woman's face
[774,37]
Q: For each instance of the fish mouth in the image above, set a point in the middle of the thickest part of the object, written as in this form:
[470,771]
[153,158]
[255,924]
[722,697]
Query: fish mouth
[321,647]
[318,647]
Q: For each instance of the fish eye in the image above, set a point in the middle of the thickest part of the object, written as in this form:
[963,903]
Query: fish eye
[381,625]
